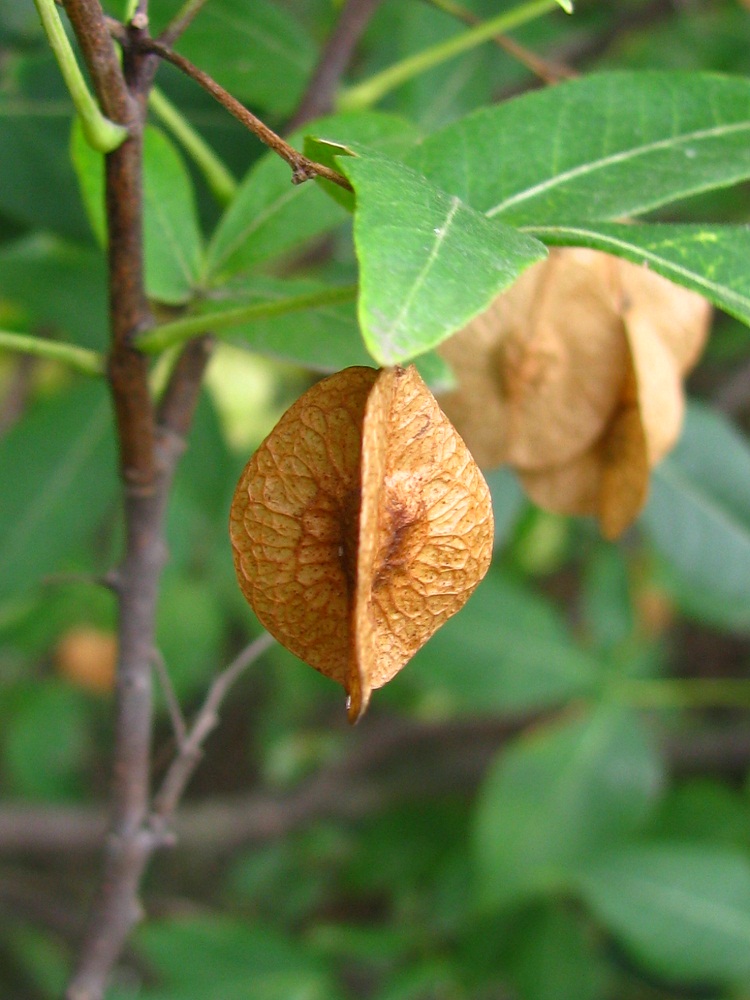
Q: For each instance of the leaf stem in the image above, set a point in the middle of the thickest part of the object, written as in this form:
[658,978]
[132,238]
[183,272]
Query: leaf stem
[370,91]
[101,133]
[180,330]
[678,693]
[80,358]
[219,179]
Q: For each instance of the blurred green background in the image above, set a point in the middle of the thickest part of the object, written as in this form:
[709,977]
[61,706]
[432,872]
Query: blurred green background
[549,803]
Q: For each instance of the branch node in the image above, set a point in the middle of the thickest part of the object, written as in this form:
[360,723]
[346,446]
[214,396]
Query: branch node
[112,579]
[302,172]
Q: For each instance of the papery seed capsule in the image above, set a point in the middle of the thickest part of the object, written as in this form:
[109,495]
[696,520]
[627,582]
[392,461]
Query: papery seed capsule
[360,526]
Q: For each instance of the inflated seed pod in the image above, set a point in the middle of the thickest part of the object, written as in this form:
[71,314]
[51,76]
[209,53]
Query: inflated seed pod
[360,525]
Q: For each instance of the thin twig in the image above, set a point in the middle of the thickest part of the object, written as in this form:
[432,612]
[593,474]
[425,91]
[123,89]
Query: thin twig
[303,168]
[16,392]
[549,72]
[181,21]
[180,397]
[733,395]
[334,60]
[545,69]
[190,748]
[170,697]
[108,580]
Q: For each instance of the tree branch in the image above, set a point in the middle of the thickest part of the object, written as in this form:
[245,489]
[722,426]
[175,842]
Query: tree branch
[131,841]
[390,762]
[121,94]
[191,747]
[149,451]
[334,59]
[303,168]
[181,21]
[549,72]
[92,34]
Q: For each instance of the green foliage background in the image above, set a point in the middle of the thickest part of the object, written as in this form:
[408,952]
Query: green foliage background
[600,852]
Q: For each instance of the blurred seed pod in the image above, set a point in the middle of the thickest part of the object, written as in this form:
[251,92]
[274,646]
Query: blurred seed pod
[360,525]
[87,657]
[574,377]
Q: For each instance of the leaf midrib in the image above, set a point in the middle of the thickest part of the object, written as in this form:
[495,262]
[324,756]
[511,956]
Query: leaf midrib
[693,907]
[622,156]
[738,530]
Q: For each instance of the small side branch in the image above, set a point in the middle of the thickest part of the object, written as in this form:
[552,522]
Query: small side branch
[319,95]
[181,21]
[303,168]
[549,72]
[131,840]
[191,747]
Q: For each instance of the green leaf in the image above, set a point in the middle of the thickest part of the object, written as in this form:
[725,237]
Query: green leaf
[58,286]
[703,811]
[508,650]
[41,956]
[89,168]
[602,147]
[269,215]
[60,461]
[682,911]
[281,969]
[189,633]
[711,260]
[323,339]
[558,796]
[508,501]
[551,957]
[37,185]
[258,51]
[428,262]
[698,514]
[207,468]
[421,979]
[171,232]
[434,95]
[172,239]
[45,740]
[606,598]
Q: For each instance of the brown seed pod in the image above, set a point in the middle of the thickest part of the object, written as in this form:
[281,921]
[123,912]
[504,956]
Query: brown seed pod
[360,525]
[87,657]
[574,377]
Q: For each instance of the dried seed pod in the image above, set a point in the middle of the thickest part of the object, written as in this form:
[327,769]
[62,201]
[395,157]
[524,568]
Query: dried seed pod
[360,526]
[574,377]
